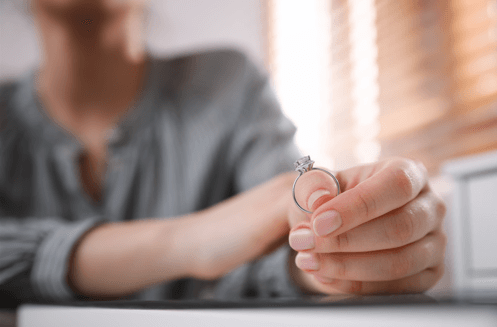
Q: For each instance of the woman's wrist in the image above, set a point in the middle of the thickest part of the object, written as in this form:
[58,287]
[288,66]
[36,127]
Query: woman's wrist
[236,231]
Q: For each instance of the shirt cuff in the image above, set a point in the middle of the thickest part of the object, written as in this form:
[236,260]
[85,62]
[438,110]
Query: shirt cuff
[51,261]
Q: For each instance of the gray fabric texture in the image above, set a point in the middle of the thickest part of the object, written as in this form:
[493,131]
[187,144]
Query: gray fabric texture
[205,127]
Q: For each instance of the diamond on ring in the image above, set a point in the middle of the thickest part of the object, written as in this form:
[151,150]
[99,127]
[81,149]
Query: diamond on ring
[303,164]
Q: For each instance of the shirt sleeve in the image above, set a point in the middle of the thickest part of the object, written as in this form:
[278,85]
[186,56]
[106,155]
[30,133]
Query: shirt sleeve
[262,147]
[34,257]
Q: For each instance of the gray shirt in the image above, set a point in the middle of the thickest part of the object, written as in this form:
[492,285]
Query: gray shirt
[205,127]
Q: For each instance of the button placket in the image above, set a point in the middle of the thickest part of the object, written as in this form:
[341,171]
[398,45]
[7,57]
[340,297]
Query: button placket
[115,141]
[65,155]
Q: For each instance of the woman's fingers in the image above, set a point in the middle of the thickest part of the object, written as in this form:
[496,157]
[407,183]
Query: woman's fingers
[388,189]
[314,188]
[370,191]
[417,283]
[383,265]
[311,190]
[382,234]
[397,228]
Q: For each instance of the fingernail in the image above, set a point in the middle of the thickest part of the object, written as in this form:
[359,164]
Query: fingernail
[301,239]
[325,280]
[327,222]
[306,261]
[316,195]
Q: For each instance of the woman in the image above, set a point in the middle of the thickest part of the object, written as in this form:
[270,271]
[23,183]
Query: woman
[102,143]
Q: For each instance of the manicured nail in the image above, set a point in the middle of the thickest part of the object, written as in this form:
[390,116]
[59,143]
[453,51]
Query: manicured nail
[316,195]
[306,261]
[301,239]
[327,222]
[325,280]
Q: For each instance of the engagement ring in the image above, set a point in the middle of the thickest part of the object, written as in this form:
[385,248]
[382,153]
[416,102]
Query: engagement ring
[304,165]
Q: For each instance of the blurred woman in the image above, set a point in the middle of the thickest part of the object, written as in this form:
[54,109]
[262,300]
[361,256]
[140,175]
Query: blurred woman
[116,167]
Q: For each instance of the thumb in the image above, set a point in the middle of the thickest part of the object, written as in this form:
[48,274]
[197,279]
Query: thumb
[312,189]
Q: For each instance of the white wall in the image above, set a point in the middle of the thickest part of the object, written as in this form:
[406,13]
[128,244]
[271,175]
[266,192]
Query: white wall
[174,26]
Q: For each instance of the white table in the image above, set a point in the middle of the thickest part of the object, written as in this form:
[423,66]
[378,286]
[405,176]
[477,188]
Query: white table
[439,315]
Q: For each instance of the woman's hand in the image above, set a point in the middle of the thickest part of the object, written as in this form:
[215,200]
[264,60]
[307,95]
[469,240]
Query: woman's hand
[237,230]
[382,234]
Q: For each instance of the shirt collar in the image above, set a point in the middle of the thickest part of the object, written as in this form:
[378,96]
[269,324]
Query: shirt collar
[34,117]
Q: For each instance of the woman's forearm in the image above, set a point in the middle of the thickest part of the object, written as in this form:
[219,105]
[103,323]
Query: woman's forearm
[117,259]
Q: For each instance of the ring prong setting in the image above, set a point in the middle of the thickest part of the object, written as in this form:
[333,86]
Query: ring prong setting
[304,164]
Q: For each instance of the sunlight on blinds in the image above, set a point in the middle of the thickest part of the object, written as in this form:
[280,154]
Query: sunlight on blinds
[438,78]
[365,89]
[412,78]
[355,83]
[300,69]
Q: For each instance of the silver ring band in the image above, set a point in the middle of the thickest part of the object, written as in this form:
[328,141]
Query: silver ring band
[304,167]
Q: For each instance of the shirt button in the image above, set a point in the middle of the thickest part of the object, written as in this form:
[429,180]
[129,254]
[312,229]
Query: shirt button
[114,135]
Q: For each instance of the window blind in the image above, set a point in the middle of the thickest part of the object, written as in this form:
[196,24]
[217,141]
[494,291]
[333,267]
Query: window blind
[432,88]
